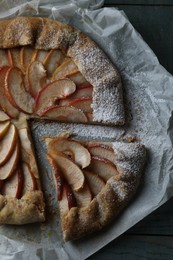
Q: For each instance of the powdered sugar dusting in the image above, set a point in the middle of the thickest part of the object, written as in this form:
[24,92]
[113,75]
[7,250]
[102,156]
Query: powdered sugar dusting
[117,188]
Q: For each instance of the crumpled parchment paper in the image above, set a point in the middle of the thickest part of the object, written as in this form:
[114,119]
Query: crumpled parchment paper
[148,89]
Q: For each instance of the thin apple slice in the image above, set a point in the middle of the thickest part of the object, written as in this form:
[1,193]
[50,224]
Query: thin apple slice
[102,167]
[78,79]
[95,183]
[53,92]
[68,200]
[26,57]
[79,93]
[14,57]
[10,110]
[4,126]
[41,55]
[66,114]
[67,68]
[16,93]
[53,59]
[71,172]
[35,77]
[7,169]
[83,197]
[3,116]
[7,144]
[13,186]
[30,183]
[28,151]
[79,153]
[58,177]
[103,151]
[82,103]
[4,58]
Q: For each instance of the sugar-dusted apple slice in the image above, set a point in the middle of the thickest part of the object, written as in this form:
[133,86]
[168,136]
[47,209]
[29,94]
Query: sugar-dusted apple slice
[26,57]
[95,183]
[57,176]
[52,92]
[89,116]
[14,57]
[13,186]
[82,103]
[53,59]
[35,77]
[4,58]
[102,167]
[103,151]
[4,126]
[40,55]
[16,93]
[7,144]
[78,153]
[67,68]
[67,201]
[78,79]
[10,110]
[83,197]
[71,172]
[79,93]
[9,167]
[29,183]
[66,114]
[3,116]
[28,151]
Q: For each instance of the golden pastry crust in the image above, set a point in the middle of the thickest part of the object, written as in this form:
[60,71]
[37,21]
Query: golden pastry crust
[28,209]
[46,34]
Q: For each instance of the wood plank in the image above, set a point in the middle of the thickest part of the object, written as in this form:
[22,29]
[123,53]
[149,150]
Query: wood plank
[137,247]
[155,25]
[138,2]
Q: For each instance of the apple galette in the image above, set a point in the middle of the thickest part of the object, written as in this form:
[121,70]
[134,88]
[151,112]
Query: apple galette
[94,181]
[50,70]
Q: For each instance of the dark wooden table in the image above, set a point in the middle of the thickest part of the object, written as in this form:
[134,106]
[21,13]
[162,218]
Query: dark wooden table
[152,238]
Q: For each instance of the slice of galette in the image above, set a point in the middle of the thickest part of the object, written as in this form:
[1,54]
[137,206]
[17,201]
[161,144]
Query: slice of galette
[21,198]
[51,70]
[94,181]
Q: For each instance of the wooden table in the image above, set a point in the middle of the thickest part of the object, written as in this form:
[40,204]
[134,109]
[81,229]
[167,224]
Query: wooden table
[152,238]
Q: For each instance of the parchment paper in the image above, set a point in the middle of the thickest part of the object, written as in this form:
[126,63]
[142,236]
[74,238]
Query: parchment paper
[148,89]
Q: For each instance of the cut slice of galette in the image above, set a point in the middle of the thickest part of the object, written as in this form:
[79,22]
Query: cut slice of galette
[94,180]
[51,70]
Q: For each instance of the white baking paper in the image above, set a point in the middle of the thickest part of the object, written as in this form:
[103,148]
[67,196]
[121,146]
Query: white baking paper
[148,91]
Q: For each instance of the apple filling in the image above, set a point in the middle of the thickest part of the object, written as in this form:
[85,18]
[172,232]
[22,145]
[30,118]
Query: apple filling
[80,170]
[43,83]
[18,169]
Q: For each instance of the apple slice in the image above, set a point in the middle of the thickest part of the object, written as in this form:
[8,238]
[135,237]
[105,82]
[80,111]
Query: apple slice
[103,151]
[26,57]
[13,186]
[78,79]
[35,77]
[79,153]
[7,169]
[83,197]
[67,68]
[3,116]
[28,151]
[68,200]
[52,61]
[10,110]
[7,144]
[4,126]
[4,58]
[14,57]
[30,183]
[53,92]
[102,167]
[79,93]
[66,114]
[16,93]
[71,172]
[95,183]
[82,103]
[40,55]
